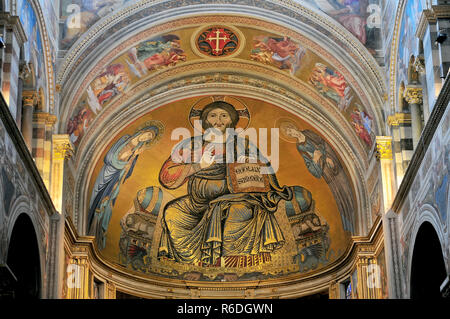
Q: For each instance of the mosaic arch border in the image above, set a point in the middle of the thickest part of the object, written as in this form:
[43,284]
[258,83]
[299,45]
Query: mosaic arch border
[372,92]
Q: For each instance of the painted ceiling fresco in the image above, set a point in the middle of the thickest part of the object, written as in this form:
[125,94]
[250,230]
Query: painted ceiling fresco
[277,52]
[362,18]
[156,210]
[79,15]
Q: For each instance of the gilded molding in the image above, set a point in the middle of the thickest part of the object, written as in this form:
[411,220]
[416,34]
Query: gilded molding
[394,53]
[82,251]
[399,118]
[44,118]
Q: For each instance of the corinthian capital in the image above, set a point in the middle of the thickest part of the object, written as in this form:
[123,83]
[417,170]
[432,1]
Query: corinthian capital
[29,98]
[414,95]
[62,147]
[384,147]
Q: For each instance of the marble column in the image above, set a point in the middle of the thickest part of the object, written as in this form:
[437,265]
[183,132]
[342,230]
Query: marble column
[384,149]
[62,149]
[402,146]
[29,101]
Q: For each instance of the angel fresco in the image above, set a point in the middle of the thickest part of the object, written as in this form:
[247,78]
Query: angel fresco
[332,84]
[280,52]
[78,124]
[218,218]
[322,162]
[110,83]
[362,123]
[118,166]
[156,53]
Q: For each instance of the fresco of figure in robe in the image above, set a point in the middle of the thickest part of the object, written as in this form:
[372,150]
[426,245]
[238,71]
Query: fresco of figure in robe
[222,214]
[118,166]
[363,125]
[154,54]
[322,162]
[332,84]
[110,83]
[282,53]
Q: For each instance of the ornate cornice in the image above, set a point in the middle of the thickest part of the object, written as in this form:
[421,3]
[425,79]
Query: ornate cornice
[14,22]
[44,118]
[430,16]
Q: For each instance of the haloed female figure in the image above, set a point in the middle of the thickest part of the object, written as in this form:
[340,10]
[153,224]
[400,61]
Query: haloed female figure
[213,220]
[119,163]
[322,161]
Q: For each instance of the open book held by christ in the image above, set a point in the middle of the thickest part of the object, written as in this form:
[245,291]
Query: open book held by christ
[247,178]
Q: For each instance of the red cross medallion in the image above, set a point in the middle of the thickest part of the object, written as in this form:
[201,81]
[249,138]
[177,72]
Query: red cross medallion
[217,39]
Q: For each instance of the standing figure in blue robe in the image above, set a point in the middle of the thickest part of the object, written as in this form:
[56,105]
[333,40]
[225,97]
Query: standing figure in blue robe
[118,166]
[322,161]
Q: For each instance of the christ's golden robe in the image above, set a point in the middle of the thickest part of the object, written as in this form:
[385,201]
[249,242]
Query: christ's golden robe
[212,220]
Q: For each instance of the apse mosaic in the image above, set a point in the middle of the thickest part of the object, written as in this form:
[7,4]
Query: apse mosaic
[189,206]
[279,53]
